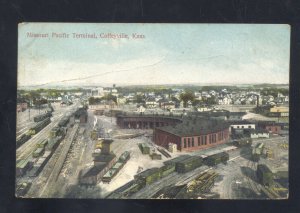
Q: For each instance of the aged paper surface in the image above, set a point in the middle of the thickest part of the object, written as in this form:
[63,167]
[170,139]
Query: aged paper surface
[153,111]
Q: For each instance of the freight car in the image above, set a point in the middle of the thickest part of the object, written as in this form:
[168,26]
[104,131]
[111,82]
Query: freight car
[38,152]
[264,175]
[22,139]
[112,172]
[63,122]
[148,176]
[133,188]
[242,142]
[166,170]
[215,159]
[42,143]
[175,160]
[39,126]
[188,164]
[22,167]
[55,131]
[145,149]
[124,157]
[53,143]
[41,117]
[40,164]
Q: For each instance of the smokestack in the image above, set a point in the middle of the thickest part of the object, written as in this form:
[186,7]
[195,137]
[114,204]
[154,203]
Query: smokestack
[106,146]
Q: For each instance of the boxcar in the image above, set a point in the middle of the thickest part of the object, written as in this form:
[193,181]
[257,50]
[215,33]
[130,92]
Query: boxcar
[38,152]
[215,159]
[188,164]
[41,117]
[242,142]
[148,176]
[22,167]
[166,170]
[39,126]
[145,149]
[124,157]
[22,139]
[42,143]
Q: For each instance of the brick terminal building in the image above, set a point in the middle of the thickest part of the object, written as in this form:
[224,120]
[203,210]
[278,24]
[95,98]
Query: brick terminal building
[193,134]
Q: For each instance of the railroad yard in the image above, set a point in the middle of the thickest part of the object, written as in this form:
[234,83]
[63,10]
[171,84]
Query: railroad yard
[56,171]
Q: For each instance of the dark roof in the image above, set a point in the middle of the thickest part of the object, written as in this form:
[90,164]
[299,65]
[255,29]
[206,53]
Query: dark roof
[236,122]
[95,170]
[269,123]
[148,172]
[215,113]
[196,126]
[258,131]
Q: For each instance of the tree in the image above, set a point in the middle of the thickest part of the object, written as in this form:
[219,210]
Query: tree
[187,96]
[140,99]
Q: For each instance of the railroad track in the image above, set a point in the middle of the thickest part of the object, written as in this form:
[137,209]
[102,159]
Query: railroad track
[60,160]
[251,184]
[26,149]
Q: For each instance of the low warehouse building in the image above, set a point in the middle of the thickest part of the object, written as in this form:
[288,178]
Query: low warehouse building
[259,133]
[193,134]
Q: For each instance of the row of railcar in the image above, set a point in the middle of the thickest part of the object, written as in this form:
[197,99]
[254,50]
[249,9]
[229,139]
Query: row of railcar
[39,126]
[22,139]
[149,176]
[113,171]
[42,153]
[42,117]
[64,121]
[217,158]
[181,164]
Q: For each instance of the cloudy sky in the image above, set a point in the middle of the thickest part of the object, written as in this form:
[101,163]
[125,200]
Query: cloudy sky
[169,54]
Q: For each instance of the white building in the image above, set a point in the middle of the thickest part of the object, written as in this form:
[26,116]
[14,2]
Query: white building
[259,134]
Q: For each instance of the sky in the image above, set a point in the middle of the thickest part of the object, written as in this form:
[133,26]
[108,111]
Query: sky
[168,54]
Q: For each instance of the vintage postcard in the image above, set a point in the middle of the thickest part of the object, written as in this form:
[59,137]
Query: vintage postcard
[153,111]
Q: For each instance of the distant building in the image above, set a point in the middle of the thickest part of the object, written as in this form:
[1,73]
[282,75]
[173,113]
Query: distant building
[270,126]
[22,106]
[151,102]
[259,133]
[282,111]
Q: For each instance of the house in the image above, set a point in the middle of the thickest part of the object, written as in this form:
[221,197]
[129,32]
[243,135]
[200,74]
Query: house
[151,102]
[22,106]
[270,126]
